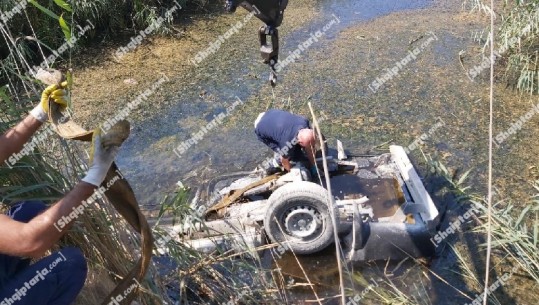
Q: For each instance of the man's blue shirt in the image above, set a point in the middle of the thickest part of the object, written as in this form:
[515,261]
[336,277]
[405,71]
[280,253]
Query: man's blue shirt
[278,129]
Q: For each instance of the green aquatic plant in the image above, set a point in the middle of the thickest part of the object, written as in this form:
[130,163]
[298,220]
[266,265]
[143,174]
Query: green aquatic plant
[515,228]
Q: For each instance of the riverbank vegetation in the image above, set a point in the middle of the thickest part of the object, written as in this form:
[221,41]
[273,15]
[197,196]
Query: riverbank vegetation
[32,31]
[516,42]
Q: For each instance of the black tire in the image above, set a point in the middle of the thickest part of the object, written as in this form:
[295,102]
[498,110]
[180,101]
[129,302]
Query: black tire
[291,207]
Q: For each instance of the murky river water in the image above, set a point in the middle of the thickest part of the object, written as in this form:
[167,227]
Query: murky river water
[336,75]
[154,167]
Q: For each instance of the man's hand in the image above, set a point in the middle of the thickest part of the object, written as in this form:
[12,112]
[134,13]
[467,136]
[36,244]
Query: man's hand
[57,94]
[314,171]
[13,140]
[286,163]
[101,159]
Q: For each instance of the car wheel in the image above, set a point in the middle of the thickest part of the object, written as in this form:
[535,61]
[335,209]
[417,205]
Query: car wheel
[298,218]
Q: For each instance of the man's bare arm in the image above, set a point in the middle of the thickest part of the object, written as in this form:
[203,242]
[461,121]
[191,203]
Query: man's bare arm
[13,141]
[33,239]
[40,234]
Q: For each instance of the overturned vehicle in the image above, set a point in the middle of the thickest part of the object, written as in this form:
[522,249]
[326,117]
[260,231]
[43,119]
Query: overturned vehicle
[382,210]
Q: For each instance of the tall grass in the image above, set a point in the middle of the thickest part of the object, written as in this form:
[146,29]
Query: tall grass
[53,168]
[518,37]
[32,35]
[516,232]
[515,228]
[521,24]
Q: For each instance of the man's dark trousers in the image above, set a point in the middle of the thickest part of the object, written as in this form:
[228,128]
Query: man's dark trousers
[53,280]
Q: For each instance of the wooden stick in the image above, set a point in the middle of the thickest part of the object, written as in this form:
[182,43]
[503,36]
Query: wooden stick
[331,206]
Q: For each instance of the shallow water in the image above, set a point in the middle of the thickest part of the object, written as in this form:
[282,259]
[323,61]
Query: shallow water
[148,157]
[153,168]
[335,75]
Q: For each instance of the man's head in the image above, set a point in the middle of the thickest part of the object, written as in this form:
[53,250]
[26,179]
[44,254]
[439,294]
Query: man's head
[307,137]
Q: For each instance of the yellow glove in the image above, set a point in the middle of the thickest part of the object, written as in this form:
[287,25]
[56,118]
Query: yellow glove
[55,93]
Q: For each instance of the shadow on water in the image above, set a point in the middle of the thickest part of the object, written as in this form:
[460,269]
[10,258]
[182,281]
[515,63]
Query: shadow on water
[440,280]
[446,263]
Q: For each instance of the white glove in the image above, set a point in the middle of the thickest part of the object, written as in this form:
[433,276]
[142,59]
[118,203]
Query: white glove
[39,113]
[100,160]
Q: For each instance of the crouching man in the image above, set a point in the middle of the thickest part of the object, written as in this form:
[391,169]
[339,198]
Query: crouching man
[290,136]
[28,230]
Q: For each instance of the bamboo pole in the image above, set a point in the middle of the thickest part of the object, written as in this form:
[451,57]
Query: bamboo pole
[331,203]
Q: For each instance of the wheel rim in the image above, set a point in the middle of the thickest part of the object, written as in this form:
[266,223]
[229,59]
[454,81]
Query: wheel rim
[302,221]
